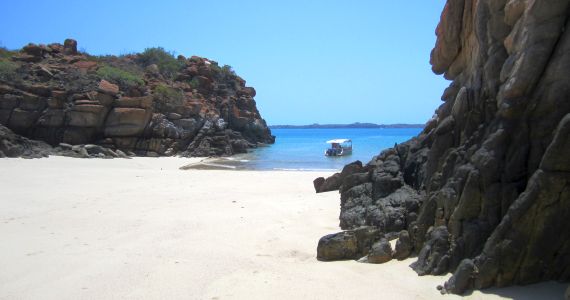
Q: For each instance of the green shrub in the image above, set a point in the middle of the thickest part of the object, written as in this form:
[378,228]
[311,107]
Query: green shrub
[167,95]
[215,68]
[5,53]
[120,77]
[166,62]
[195,83]
[227,69]
[8,70]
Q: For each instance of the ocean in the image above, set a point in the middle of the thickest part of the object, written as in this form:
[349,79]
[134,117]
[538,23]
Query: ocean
[303,149]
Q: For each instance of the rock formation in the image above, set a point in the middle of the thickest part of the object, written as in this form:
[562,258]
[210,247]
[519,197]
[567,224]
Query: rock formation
[484,190]
[149,103]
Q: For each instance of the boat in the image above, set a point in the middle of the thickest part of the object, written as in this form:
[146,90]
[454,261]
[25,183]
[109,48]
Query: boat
[339,147]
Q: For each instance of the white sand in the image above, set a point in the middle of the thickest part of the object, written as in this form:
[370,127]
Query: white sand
[142,229]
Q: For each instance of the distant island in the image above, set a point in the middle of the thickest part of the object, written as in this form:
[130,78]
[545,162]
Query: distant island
[353,125]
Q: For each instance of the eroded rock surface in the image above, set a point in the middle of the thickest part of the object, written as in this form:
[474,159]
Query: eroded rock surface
[149,103]
[484,190]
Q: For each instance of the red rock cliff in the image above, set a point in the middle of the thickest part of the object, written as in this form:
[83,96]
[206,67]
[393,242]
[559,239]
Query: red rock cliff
[149,103]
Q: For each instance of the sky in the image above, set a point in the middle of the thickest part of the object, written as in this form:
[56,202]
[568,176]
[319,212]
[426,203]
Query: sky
[320,61]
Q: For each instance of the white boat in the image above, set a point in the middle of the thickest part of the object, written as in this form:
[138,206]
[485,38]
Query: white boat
[339,147]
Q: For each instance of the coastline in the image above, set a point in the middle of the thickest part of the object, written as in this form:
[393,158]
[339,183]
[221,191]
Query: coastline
[142,228]
[241,163]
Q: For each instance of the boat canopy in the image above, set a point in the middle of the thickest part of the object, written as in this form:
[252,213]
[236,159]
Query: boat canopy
[338,141]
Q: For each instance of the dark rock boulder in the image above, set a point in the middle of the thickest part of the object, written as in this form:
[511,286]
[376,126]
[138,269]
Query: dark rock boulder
[380,252]
[434,256]
[331,183]
[335,181]
[317,183]
[338,246]
[404,246]
[461,279]
[351,244]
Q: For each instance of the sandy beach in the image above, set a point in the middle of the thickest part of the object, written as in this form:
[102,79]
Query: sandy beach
[143,229]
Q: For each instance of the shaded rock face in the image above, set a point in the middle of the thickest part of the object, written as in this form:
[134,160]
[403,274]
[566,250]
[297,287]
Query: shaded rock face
[57,94]
[403,246]
[14,145]
[484,190]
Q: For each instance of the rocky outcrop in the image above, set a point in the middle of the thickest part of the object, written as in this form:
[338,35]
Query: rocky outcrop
[15,145]
[335,181]
[484,190]
[149,103]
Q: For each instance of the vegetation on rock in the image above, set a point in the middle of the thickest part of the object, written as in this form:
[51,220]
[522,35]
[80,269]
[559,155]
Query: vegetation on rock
[121,77]
[167,64]
[148,103]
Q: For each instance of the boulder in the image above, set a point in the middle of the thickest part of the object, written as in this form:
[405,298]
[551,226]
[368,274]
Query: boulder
[335,181]
[70,47]
[332,183]
[380,252]
[433,257]
[87,115]
[462,279]
[404,246]
[317,183]
[127,122]
[108,88]
[350,244]
[337,246]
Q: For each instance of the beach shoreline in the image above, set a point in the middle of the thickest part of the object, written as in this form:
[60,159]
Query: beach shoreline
[142,228]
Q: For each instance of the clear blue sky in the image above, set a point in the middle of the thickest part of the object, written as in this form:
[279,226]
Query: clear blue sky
[322,61]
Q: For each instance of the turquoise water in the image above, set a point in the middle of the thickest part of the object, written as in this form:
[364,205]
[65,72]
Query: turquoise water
[303,149]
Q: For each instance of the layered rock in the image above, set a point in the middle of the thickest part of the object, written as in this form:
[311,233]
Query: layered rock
[15,145]
[149,103]
[484,190]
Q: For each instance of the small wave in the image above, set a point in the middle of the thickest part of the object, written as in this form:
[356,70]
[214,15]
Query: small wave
[235,159]
[305,169]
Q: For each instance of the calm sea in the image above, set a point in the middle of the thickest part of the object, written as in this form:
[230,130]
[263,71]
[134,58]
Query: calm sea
[303,149]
